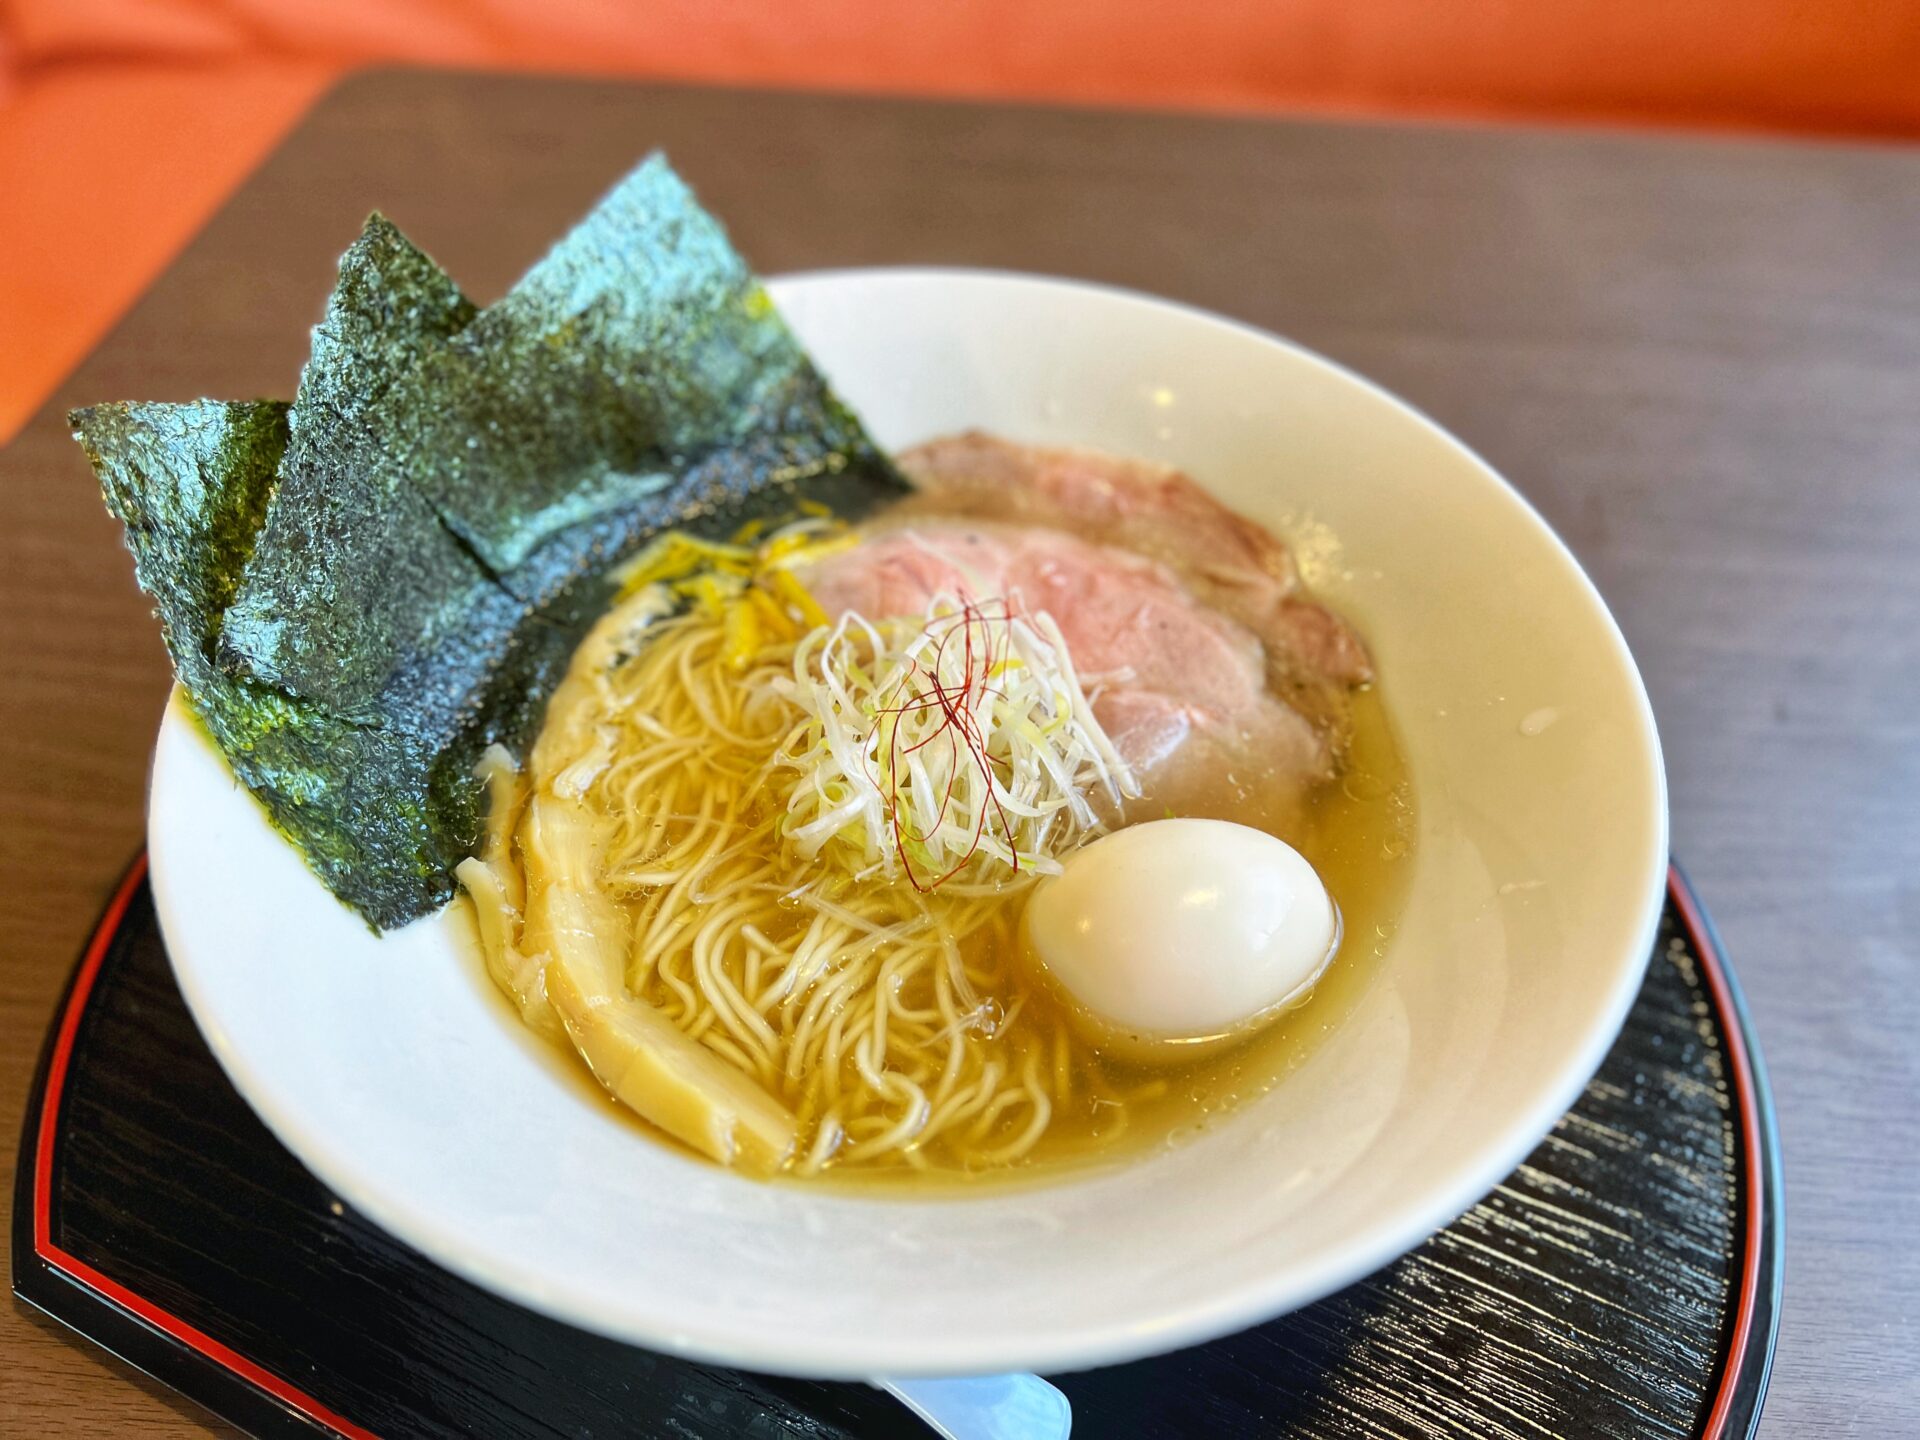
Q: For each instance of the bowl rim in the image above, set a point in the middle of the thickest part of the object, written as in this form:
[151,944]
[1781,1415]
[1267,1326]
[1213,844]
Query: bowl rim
[1261,1295]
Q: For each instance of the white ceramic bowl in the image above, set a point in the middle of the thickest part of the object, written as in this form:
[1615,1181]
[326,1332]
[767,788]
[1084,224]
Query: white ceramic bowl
[384,1065]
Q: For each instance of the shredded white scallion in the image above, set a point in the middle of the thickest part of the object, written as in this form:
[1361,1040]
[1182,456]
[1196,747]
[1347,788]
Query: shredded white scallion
[955,746]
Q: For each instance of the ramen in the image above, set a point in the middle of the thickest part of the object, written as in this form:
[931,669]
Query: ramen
[858,851]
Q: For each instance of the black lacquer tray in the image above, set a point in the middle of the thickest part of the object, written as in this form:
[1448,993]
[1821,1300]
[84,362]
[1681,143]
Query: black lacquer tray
[1623,1282]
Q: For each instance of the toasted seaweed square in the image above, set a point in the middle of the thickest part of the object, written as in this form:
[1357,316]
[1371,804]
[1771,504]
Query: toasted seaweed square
[354,570]
[363,590]
[190,483]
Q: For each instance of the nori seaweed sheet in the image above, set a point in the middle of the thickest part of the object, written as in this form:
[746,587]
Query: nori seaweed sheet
[636,373]
[363,590]
[190,483]
[647,335]
[331,632]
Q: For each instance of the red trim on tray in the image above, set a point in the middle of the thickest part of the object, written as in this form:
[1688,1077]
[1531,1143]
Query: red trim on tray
[1713,966]
[77,1269]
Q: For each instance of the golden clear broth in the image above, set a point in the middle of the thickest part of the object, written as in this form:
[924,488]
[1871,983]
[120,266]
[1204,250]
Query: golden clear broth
[1357,833]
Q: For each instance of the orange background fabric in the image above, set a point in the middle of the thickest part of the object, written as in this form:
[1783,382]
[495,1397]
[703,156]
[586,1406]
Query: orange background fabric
[165,105]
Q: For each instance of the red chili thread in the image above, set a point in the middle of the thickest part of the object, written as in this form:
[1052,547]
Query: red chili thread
[958,727]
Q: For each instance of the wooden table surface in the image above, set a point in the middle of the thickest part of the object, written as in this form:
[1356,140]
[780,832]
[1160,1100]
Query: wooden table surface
[1699,359]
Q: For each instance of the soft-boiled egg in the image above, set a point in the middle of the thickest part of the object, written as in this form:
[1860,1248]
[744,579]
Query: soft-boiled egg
[1173,936]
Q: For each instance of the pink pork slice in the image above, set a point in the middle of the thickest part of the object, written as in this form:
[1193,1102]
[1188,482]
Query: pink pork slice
[1313,656]
[1179,686]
